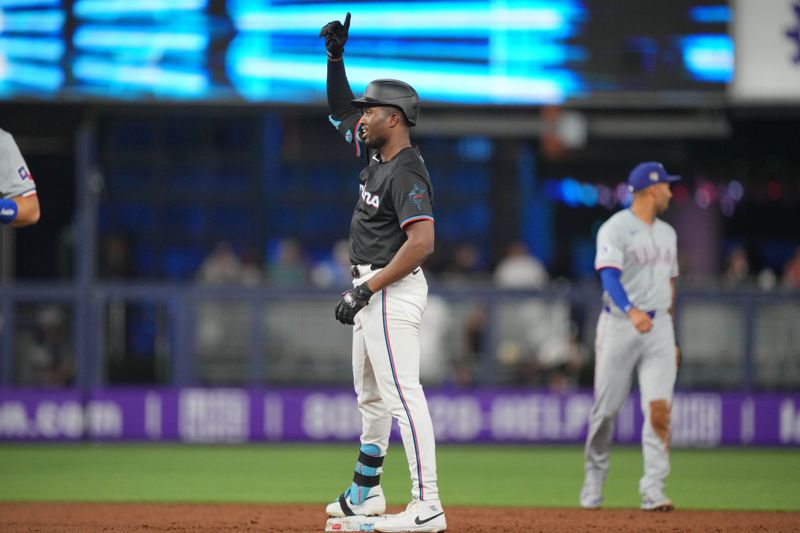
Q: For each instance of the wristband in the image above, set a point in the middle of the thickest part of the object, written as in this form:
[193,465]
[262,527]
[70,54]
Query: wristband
[627,307]
[8,211]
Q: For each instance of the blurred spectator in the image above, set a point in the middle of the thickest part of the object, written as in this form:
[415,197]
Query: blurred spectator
[737,267]
[334,271]
[222,266]
[434,368]
[520,269]
[791,271]
[560,359]
[222,325]
[252,270]
[539,348]
[684,264]
[288,265]
[116,258]
[46,357]
[464,264]
[466,368]
[767,280]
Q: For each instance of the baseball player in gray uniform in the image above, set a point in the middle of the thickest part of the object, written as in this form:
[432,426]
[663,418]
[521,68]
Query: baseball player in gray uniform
[19,205]
[637,261]
[391,234]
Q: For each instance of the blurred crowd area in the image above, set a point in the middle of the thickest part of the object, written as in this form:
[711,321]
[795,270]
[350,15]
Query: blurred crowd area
[258,206]
[512,321]
[171,191]
[286,263]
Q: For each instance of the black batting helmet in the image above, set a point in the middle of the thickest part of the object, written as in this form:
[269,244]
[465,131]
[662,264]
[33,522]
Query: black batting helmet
[393,93]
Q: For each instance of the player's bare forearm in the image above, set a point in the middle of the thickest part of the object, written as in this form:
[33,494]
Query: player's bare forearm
[640,320]
[672,305]
[408,258]
[27,211]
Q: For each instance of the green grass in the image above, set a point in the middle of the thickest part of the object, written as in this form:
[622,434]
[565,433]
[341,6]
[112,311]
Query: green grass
[765,479]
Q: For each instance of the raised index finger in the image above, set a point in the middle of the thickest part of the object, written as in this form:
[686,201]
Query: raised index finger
[347,21]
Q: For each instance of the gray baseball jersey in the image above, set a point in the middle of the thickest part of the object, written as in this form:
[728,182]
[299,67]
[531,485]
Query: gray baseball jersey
[646,254]
[15,178]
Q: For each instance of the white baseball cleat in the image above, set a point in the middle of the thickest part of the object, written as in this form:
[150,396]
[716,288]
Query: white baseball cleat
[425,516]
[592,494]
[656,500]
[374,504]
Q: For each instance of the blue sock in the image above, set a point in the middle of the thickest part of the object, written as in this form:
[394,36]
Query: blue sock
[358,493]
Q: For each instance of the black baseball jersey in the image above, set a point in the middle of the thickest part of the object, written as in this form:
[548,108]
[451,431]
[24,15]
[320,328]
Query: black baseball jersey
[392,195]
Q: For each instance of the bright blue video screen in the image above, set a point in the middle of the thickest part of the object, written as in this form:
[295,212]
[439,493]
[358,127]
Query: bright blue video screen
[483,52]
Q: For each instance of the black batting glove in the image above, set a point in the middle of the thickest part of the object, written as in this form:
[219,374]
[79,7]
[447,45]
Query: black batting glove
[335,36]
[351,303]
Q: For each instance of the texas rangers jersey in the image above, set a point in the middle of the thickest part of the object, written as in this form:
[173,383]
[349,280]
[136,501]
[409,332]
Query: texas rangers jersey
[15,178]
[392,195]
[646,254]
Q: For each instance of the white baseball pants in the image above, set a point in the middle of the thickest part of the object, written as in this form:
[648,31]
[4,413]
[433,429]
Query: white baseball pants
[620,350]
[386,376]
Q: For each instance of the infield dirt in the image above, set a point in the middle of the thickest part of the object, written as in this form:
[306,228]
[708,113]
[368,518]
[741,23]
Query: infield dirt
[201,518]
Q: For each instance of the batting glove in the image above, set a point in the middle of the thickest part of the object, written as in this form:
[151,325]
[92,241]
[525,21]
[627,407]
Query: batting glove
[335,36]
[351,303]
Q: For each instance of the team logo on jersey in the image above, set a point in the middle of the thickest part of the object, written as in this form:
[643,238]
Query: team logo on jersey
[417,195]
[793,34]
[24,174]
[369,198]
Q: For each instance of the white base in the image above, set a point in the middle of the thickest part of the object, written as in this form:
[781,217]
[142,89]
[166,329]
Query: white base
[354,523]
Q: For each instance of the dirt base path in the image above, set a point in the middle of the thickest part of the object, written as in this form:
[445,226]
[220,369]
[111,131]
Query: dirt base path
[217,518]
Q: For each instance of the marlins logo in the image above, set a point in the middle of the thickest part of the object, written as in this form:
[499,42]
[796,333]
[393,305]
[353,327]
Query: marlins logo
[417,195]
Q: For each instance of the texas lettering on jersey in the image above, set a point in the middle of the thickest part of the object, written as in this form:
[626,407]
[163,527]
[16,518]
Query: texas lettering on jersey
[645,255]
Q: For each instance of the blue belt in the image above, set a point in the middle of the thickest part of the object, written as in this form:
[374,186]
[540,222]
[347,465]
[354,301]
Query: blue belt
[651,314]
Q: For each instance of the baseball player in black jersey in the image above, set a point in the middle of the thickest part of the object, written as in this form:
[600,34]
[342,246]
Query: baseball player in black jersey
[391,234]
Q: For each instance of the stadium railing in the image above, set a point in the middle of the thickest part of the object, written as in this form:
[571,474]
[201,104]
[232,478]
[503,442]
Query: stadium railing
[107,333]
